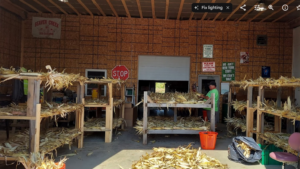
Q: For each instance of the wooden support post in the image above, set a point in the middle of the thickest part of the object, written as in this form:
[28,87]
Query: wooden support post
[123,104]
[109,116]
[37,128]
[249,118]
[277,120]
[212,113]
[145,118]
[32,100]
[79,119]
[175,114]
[261,93]
[229,103]
[250,96]
[260,122]
[278,101]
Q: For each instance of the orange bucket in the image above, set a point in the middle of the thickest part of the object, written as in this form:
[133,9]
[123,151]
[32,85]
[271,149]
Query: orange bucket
[63,167]
[204,112]
[208,140]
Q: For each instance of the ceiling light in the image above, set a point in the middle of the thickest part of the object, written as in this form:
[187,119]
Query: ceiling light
[261,6]
[63,0]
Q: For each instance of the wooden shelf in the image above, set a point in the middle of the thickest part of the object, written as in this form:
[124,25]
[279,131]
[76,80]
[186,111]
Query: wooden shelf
[18,117]
[96,130]
[174,131]
[179,105]
[279,115]
[96,105]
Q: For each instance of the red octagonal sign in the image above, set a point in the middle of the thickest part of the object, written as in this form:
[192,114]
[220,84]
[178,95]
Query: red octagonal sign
[120,72]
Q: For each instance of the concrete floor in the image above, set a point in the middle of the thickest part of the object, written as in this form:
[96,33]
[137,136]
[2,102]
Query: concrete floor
[128,147]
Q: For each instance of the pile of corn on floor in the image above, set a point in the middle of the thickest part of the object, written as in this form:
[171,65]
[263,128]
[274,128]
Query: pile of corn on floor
[127,147]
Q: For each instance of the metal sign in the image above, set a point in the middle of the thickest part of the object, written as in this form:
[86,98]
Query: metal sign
[208,67]
[228,71]
[208,51]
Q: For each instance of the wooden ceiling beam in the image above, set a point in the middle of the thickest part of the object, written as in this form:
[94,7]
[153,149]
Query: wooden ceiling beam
[273,3]
[44,6]
[58,7]
[293,10]
[192,14]
[291,1]
[236,9]
[86,8]
[180,9]
[17,6]
[216,17]
[32,7]
[250,10]
[13,8]
[98,7]
[72,7]
[204,15]
[153,9]
[126,9]
[112,8]
[139,7]
[167,9]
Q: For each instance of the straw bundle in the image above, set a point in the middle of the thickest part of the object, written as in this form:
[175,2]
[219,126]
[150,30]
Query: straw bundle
[280,140]
[106,80]
[39,161]
[18,145]
[181,157]
[282,81]
[167,123]
[99,123]
[103,101]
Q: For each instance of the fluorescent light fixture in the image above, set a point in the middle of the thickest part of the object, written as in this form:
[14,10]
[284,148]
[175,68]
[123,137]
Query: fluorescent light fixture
[63,0]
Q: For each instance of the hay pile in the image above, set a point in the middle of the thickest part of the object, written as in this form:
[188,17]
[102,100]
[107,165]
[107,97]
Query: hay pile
[18,145]
[233,124]
[280,140]
[47,109]
[181,157]
[167,123]
[105,80]
[99,123]
[173,98]
[269,82]
[288,110]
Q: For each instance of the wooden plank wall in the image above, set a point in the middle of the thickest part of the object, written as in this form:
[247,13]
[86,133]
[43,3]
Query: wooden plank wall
[10,43]
[104,42]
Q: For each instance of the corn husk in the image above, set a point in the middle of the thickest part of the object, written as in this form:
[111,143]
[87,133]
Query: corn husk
[99,123]
[47,109]
[18,145]
[233,124]
[167,123]
[246,149]
[174,98]
[288,110]
[280,140]
[39,161]
[269,82]
[241,105]
[181,157]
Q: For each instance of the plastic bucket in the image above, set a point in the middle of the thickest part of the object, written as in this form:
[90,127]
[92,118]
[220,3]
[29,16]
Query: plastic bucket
[63,167]
[204,112]
[208,140]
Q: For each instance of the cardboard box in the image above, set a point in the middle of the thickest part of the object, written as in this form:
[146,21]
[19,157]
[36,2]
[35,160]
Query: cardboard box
[130,116]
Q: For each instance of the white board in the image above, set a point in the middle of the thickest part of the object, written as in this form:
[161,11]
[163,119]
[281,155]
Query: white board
[168,68]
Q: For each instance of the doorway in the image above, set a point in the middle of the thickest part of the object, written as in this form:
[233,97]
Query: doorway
[203,81]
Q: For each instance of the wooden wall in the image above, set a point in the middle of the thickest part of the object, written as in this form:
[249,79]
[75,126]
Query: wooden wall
[10,43]
[104,42]
[10,39]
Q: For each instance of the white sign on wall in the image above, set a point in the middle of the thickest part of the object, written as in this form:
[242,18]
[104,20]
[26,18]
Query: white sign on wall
[46,27]
[208,51]
[208,67]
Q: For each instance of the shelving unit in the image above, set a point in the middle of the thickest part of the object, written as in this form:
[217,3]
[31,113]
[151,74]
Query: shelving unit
[208,104]
[109,109]
[34,113]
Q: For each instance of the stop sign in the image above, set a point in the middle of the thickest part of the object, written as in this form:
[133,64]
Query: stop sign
[120,72]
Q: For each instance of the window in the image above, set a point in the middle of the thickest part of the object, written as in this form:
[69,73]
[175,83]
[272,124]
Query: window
[95,73]
[160,87]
